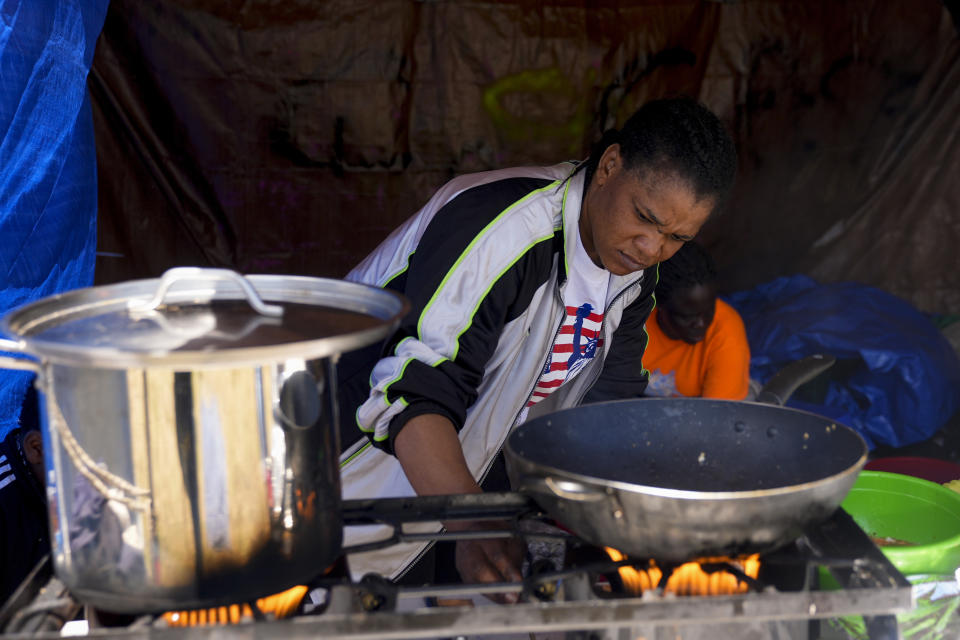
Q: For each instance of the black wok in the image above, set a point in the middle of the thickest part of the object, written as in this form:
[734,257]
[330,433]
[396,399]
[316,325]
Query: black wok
[681,478]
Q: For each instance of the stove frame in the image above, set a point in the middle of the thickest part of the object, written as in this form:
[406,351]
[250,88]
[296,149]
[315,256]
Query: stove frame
[872,587]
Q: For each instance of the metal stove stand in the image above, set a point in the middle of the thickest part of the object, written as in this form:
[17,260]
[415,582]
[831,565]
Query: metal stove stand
[553,602]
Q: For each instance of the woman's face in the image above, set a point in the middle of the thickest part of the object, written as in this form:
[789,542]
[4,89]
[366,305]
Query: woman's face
[632,220]
[688,313]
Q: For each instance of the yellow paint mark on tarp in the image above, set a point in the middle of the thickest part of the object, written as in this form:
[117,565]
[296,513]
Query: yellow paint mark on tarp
[528,126]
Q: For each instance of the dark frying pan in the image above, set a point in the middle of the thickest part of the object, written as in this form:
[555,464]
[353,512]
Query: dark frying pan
[681,478]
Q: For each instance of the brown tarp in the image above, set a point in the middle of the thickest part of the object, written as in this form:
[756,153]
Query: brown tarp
[290,136]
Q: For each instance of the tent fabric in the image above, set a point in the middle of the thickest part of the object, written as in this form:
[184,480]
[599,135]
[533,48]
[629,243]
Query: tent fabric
[292,136]
[48,182]
[903,235]
[897,380]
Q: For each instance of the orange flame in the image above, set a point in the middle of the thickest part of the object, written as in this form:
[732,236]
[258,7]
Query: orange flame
[280,605]
[688,579]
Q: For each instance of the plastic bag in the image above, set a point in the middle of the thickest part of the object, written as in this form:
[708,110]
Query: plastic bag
[48,186]
[897,380]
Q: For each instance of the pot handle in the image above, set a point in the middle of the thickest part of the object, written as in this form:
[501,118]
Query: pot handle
[565,489]
[109,485]
[297,405]
[178,274]
[22,362]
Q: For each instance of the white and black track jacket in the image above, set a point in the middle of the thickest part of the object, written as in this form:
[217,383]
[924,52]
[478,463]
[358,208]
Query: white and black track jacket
[484,264]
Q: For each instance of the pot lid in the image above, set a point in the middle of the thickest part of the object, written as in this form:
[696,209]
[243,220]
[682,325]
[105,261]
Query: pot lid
[204,317]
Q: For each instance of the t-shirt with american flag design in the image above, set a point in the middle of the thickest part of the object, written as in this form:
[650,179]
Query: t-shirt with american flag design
[579,338]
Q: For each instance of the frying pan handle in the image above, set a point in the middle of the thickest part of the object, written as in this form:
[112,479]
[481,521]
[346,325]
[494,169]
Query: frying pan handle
[565,489]
[781,386]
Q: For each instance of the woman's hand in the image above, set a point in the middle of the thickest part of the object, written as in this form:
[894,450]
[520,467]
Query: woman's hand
[429,451]
[489,560]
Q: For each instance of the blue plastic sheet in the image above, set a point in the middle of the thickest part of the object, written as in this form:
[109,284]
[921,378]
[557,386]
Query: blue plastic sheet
[48,181]
[901,379]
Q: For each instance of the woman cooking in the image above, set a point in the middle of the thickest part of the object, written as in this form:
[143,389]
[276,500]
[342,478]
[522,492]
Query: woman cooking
[529,290]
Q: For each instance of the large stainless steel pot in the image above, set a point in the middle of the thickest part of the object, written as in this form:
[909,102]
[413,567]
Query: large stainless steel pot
[190,426]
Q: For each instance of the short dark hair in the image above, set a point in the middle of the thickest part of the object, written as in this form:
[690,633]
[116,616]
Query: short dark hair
[679,136]
[30,411]
[690,265]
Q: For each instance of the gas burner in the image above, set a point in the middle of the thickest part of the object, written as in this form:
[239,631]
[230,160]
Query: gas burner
[569,588]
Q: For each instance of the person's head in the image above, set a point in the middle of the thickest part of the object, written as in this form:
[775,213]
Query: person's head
[31,441]
[32,444]
[686,294]
[652,185]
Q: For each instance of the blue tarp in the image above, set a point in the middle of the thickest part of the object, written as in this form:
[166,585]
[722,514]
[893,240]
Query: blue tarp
[48,181]
[902,377]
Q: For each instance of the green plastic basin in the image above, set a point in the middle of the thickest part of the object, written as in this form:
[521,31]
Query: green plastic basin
[913,510]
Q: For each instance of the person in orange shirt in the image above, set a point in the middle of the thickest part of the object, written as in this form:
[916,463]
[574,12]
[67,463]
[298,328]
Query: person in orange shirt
[697,342]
